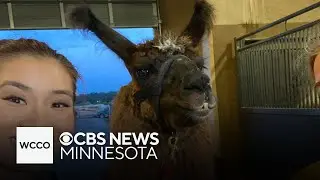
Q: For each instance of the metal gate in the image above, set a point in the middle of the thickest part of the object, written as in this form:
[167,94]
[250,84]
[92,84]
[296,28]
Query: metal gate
[278,102]
[273,72]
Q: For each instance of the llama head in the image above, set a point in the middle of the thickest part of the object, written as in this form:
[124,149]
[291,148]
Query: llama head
[166,71]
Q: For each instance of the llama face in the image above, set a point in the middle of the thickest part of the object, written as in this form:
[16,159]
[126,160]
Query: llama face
[185,88]
[187,96]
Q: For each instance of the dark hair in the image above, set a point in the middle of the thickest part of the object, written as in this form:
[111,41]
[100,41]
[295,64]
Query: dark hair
[11,47]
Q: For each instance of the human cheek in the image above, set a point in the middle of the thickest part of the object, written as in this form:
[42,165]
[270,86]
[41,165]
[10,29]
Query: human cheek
[9,120]
[10,117]
[61,121]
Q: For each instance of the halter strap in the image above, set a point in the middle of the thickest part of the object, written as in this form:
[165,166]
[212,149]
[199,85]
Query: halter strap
[154,92]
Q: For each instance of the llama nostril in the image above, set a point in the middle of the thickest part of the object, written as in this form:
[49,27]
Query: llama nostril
[195,86]
[197,82]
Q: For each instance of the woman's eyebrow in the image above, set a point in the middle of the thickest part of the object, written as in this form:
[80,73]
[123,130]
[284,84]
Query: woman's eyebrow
[15,84]
[65,92]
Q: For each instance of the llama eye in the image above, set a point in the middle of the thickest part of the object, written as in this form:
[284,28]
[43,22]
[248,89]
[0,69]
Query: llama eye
[142,73]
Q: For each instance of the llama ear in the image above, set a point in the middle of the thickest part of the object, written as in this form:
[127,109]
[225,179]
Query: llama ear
[83,17]
[201,22]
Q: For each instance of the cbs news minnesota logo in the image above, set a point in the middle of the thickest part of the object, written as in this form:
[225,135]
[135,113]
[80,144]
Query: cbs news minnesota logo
[34,145]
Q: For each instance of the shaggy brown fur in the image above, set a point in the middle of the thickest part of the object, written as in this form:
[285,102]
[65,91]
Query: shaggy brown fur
[194,157]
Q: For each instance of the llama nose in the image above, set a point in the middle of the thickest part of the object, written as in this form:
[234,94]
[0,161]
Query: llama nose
[197,81]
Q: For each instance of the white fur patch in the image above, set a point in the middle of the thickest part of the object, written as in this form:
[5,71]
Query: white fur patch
[169,43]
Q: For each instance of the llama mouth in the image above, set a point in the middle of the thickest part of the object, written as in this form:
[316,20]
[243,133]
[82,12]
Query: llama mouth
[207,105]
[199,112]
[205,109]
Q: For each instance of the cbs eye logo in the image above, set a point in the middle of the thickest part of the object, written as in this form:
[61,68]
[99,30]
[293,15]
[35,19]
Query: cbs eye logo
[66,138]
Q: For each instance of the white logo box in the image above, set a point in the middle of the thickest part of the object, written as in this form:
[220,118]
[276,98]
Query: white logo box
[35,135]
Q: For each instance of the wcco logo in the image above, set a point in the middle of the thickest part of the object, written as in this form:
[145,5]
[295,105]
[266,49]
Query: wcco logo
[34,145]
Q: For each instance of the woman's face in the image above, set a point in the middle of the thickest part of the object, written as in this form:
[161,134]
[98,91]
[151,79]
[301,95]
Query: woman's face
[34,91]
[316,70]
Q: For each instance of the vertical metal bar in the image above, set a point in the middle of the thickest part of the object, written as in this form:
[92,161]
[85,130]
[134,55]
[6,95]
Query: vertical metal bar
[159,18]
[283,72]
[295,80]
[154,10]
[255,78]
[253,83]
[301,84]
[305,83]
[298,59]
[293,66]
[266,73]
[312,89]
[242,63]
[258,76]
[263,76]
[244,78]
[249,75]
[296,63]
[244,81]
[255,60]
[290,78]
[251,80]
[10,14]
[239,74]
[241,77]
[272,74]
[277,72]
[314,95]
[307,33]
[274,71]
[62,15]
[280,72]
[155,15]
[111,18]
[287,71]
[290,66]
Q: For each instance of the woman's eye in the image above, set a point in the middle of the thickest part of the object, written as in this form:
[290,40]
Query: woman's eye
[15,99]
[60,105]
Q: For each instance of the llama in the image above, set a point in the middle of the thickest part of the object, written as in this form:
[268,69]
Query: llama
[168,94]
